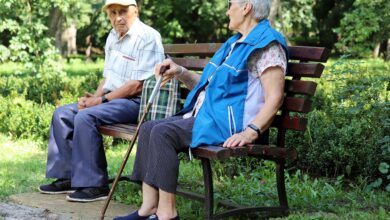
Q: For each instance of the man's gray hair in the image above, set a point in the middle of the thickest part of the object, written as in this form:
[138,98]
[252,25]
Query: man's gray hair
[261,9]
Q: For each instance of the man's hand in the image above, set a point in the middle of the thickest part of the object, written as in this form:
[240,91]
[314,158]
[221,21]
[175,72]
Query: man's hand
[88,100]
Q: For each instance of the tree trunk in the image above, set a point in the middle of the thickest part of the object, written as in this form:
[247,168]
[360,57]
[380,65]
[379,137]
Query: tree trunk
[387,55]
[68,40]
[274,11]
[56,26]
[139,3]
[375,53]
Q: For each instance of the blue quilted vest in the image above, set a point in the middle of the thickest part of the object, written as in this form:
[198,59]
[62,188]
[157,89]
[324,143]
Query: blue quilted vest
[222,112]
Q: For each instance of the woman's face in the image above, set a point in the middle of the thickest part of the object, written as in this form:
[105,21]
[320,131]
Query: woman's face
[235,14]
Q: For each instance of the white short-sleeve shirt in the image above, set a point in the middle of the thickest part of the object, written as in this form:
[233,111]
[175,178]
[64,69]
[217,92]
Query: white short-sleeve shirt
[132,57]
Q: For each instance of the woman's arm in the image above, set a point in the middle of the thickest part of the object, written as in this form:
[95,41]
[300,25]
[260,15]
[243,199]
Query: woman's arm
[189,79]
[272,81]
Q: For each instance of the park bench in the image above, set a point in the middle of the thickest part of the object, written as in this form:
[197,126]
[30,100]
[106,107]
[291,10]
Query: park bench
[304,62]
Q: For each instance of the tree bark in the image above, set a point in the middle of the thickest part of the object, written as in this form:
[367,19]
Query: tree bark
[273,12]
[387,53]
[139,3]
[375,53]
[56,26]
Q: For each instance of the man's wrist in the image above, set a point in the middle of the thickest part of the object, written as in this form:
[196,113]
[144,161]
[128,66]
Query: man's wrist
[104,99]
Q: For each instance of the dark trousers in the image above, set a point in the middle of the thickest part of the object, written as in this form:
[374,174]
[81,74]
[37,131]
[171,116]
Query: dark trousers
[159,143]
[75,149]
[156,162]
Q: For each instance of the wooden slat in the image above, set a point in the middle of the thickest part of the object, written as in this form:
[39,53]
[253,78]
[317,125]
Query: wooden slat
[289,122]
[319,54]
[296,104]
[219,153]
[191,63]
[271,151]
[118,131]
[313,70]
[207,49]
[302,53]
[300,87]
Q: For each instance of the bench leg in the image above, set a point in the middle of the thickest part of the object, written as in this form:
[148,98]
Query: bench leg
[281,187]
[209,192]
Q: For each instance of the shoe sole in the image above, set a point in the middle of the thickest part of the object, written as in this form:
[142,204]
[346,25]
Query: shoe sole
[85,200]
[57,192]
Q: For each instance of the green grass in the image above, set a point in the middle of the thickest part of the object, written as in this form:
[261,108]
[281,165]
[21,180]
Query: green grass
[22,169]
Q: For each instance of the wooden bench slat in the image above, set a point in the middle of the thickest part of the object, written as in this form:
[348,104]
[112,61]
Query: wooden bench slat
[271,151]
[221,153]
[313,70]
[293,104]
[303,53]
[288,122]
[204,49]
[191,63]
[300,87]
[124,131]
[218,153]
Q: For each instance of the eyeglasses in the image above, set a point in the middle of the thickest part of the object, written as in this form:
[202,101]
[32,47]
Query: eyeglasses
[233,1]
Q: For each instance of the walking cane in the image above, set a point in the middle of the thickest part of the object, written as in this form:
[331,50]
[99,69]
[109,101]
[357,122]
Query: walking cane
[146,110]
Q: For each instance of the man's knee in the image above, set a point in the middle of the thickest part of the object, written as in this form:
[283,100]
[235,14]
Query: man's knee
[62,112]
[82,117]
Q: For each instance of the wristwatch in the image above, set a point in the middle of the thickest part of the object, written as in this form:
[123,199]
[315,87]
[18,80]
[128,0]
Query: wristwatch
[104,99]
[255,128]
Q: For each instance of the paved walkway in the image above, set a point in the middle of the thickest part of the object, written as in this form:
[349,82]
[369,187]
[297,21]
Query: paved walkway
[56,207]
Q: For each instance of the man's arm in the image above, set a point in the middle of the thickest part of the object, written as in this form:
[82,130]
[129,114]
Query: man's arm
[130,88]
[99,91]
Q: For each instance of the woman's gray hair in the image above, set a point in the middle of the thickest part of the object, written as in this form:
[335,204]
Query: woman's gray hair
[260,9]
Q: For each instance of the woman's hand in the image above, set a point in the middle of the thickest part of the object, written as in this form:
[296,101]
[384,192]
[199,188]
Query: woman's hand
[247,136]
[168,69]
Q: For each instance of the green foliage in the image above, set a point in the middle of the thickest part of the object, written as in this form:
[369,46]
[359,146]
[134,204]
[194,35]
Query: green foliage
[365,26]
[345,129]
[189,20]
[21,18]
[23,118]
[295,20]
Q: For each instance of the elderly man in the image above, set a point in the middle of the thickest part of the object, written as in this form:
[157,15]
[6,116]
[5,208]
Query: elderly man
[76,156]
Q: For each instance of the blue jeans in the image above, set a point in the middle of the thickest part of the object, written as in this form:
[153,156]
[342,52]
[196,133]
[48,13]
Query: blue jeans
[75,148]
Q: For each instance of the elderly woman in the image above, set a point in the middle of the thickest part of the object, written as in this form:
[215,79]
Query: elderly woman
[232,103]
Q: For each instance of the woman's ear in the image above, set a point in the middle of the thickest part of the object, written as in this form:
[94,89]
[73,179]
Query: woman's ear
[247,9]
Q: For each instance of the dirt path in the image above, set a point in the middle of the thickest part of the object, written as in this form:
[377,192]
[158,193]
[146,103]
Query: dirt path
[36,206]
[11,211]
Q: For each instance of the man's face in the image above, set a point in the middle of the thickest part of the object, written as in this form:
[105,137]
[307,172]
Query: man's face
[122,17]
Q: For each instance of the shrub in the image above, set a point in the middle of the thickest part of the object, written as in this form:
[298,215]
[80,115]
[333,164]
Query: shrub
[347,124]
[24,118]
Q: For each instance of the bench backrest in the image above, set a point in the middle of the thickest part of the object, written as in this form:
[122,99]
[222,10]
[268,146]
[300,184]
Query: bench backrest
[303,62]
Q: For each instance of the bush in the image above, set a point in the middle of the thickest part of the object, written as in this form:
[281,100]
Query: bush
[28,100]
[347,125]
[24,118]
